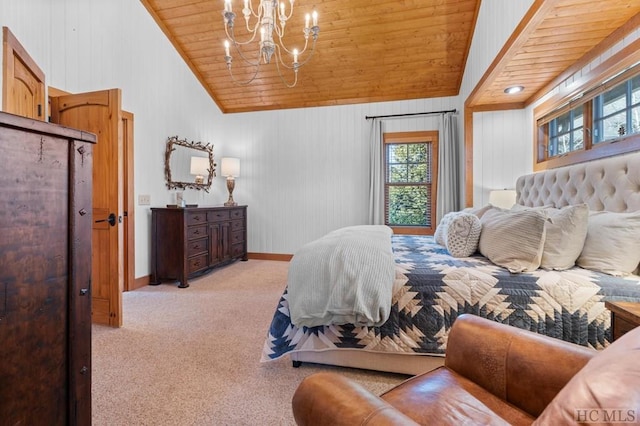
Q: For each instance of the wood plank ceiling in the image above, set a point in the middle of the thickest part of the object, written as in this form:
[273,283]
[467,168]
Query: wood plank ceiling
[551,37]
[386,50]
[367,51]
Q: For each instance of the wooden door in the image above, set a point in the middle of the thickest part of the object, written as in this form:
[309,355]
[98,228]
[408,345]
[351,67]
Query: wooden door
[23,81]
[100,113]
[128,203]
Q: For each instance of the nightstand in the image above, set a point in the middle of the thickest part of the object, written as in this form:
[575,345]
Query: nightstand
[625,316]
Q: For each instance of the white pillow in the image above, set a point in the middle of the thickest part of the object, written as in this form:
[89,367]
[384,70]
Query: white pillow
[513,239]
[565,232]
[479,211]
[612,245]
[462,234]
[441,230]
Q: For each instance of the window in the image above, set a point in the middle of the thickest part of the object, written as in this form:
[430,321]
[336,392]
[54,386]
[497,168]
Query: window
[616,111]
[410,183]
[567,132]
[605,115]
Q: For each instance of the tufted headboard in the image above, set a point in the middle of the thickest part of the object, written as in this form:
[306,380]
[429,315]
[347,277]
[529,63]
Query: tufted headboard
[611,184]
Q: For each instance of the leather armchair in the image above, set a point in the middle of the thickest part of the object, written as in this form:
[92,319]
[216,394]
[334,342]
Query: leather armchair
[493,374]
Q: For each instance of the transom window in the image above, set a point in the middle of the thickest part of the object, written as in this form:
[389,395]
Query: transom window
[567,132]
[410,163]
[607,114]
[617,112]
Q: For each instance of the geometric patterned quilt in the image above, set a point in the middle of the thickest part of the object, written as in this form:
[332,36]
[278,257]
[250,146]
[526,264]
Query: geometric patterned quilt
[436,288]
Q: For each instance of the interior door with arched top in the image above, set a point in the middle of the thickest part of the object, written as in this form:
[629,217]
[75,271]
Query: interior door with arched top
[100,113]
[23,81]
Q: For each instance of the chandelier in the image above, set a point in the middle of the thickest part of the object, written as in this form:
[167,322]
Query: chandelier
[267,14]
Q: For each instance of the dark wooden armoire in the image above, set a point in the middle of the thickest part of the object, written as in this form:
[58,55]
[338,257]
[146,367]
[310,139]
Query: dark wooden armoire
[45,273]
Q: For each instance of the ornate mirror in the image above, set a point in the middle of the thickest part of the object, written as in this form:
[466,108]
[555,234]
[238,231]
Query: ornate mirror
[189,164]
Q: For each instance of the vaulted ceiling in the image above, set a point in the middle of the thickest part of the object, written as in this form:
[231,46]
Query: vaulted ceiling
[387,50]
[367,51]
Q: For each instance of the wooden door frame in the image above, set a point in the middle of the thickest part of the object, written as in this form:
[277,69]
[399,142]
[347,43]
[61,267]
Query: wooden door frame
[129,203]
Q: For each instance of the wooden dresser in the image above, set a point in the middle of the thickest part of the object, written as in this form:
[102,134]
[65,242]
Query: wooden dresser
[187,242]
[45,273]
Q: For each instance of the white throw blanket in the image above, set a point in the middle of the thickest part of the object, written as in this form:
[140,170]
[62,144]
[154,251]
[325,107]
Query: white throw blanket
[345,277]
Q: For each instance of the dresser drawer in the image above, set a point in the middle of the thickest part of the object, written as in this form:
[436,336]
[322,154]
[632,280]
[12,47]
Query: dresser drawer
[196,232]
[237,214]
[196,218]
[237,250]
[237,237]
[217,215]
[237,225]
[198,263]
[197,247]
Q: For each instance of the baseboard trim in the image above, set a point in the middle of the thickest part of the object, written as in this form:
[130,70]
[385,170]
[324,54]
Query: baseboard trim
[140,282]
[270,256]
[144,281]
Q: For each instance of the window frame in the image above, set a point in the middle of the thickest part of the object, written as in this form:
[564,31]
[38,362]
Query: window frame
[602,81]
[428,137]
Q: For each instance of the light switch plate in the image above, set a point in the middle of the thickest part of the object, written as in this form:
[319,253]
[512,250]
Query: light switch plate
[144,200]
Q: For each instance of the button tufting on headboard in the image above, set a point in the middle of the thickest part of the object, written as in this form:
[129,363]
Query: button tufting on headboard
[611,184]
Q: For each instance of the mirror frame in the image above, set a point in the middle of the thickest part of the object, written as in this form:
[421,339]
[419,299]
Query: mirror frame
[206,147]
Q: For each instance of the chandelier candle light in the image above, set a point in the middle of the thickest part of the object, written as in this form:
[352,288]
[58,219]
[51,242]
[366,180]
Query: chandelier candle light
[231,169]
[267,14]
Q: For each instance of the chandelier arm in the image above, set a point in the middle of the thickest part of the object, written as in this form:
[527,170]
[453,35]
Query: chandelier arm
[247,82]
[232,37]
[282,45]
[249,60]
[260,10]
[253,30]
[313,49]
[279,57]
[279,30]
[295,80]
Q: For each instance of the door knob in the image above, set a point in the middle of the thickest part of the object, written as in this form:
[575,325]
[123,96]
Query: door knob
[111,219]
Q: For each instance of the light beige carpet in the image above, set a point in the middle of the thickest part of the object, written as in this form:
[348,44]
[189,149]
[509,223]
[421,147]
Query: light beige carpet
[192,356]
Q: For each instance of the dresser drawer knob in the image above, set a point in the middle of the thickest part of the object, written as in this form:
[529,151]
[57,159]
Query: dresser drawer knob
[197,232]
[84,291]
[84,370]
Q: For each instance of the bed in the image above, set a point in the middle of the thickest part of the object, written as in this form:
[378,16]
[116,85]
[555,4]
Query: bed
[436,287]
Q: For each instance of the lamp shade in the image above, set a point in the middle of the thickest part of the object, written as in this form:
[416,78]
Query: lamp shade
[504,198]
[230,167]
[199,166]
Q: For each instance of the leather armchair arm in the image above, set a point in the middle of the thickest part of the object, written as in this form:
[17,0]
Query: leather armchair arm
[331,399]
[524,368]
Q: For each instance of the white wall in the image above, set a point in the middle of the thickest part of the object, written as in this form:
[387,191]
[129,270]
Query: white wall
[502,141]
[304,172]
[86,45]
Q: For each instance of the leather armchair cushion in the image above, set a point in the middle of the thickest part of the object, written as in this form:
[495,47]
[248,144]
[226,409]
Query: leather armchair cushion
[442,396]
[610,381]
